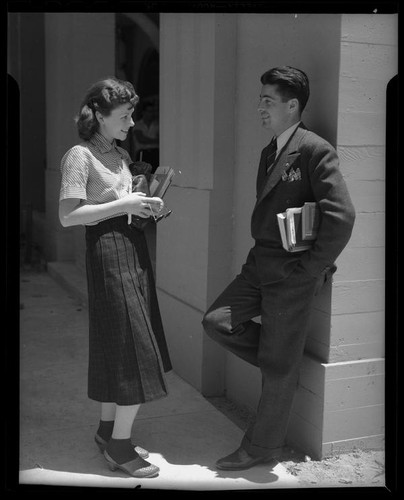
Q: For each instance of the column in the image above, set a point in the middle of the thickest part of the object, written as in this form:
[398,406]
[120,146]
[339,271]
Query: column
[197,102]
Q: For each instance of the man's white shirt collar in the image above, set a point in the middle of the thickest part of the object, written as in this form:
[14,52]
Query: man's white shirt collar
[285,136]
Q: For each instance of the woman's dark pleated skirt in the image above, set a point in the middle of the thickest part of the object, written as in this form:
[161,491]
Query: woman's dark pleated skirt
[128,354]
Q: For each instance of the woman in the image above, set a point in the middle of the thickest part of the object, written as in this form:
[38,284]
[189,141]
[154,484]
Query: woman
[128,353]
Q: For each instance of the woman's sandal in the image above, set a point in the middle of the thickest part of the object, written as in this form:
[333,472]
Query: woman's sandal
[101,443]
[135,468]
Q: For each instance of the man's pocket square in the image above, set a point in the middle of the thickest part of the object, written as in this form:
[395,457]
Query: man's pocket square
[292,175]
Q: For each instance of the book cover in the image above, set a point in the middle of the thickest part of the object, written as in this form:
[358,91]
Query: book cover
[160,181]
[310,220]
[294,229]
[298,227]
[282,230]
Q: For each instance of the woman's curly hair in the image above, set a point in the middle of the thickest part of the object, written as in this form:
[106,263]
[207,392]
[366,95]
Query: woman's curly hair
[103,96]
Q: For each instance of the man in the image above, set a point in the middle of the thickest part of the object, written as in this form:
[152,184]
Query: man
[298,166]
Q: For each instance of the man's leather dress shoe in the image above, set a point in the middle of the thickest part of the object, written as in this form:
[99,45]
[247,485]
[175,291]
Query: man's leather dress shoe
[240,460]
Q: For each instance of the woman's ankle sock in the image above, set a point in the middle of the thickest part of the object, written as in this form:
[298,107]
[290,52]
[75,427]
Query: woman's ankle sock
[121,450]
[105,429]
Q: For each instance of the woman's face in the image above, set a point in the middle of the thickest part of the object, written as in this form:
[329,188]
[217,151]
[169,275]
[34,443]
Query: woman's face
[118,123]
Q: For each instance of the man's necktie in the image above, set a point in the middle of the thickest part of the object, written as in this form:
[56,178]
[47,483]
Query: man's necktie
[271,154]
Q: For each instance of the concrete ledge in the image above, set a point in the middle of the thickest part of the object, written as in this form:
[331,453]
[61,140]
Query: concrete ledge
[347,445]
[338,406]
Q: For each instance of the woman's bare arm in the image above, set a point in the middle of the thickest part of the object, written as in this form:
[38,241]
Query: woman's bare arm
[73,211]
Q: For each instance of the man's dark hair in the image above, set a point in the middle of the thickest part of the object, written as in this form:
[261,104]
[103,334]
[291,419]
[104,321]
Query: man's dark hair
[292,83]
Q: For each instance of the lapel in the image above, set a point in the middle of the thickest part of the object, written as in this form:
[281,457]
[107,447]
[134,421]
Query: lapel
[285,160]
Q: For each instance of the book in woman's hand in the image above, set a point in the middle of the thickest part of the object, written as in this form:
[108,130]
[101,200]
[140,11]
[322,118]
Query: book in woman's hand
[160,181]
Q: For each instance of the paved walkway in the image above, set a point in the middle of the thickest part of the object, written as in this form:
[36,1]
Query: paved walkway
[184,433]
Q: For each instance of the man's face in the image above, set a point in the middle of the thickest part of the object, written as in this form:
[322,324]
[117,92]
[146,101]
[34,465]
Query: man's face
[275,114]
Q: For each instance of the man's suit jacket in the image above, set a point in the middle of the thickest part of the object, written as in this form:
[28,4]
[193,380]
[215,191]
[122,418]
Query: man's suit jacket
[306,169]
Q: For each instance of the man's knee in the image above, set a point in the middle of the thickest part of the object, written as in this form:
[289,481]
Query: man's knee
[209,321]
[214,322]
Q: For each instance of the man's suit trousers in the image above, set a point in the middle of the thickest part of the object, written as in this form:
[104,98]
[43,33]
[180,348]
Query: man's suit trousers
[275,346]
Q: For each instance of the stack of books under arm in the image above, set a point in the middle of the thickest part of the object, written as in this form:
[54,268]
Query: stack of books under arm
[298,227]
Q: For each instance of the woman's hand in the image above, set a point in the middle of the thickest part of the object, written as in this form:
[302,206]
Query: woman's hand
[141,205]
[74,211]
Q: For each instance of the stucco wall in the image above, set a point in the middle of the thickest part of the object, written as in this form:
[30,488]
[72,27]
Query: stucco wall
[349,59]
[368,62]
[197,54]
[263,42]
[350,398]
[73,62]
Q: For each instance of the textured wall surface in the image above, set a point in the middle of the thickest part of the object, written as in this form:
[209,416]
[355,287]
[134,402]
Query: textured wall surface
[194,245]
[347,408]
[73,44]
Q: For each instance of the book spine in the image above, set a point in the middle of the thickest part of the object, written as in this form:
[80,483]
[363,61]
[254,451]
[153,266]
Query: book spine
[161,180]
[282,229]
[292,231]
[290,225]
[310,216]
